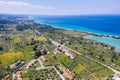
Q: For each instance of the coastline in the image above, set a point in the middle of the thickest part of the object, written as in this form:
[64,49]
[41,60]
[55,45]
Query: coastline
[83,31]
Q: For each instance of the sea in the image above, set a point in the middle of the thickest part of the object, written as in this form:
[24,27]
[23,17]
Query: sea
[98,24]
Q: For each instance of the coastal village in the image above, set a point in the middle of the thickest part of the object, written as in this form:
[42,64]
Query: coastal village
[61,71]
[17,75]
[44,58]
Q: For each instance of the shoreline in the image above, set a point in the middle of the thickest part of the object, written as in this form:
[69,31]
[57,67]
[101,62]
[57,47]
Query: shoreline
[87,32]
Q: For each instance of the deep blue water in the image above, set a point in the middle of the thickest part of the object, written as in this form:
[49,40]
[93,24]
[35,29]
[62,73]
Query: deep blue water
[109,25]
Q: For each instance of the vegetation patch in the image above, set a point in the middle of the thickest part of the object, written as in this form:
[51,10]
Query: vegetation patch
[27,52]
[62,58]
[41,38]
[44,74]
[77,69]
[9,58]
[94,68]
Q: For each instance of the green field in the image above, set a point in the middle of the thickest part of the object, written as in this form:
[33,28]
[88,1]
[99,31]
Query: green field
[77,69]
[62,58]
[9,58]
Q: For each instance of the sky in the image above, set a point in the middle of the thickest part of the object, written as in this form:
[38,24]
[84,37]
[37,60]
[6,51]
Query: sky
[60,7]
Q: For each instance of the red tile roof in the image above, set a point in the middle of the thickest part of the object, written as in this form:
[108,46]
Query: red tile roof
[31,63]
[66,74]
[7,76]
[69,54]
[19,76]
[118,75]
[42,49]
[43,58]
[61,47]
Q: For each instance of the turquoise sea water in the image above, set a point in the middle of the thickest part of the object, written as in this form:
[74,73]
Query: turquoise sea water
[107,25]
[110,41]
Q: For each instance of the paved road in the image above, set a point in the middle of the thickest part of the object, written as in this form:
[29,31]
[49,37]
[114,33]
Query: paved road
[59,73]
[37,31]
[40,62]
[13,76]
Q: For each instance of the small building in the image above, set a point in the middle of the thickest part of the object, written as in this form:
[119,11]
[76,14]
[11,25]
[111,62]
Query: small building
[67,75]
[31,63]
[42,49]
[7,76]
[67,52]
[15,64]
[43,58]
[116,77]
[19,75]
[62,48]
[55,51]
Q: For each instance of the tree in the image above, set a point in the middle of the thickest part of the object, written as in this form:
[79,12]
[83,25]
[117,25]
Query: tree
[44,52]
[101,57]
[114,56]
[37,54]
[37,78]
[91,53]
[76,47]
[1,48]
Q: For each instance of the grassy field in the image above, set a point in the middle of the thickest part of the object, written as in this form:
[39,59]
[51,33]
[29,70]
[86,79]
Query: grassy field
[41,38]
[77,69]
[9,58]
[27,52]
[62,58]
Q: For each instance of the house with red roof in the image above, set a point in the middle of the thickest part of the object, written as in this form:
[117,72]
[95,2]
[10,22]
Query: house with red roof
[116,76]
[15,64]
[19,75]
[43,58]
[31,63]
[67,74]
[69,54]
[7,76]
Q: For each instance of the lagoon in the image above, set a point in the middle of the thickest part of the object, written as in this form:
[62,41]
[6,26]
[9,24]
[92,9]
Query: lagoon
[109,41]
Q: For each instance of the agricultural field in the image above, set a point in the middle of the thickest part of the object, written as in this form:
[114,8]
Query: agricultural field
[91,68]
[44,74]
[10,57]
[85,75]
